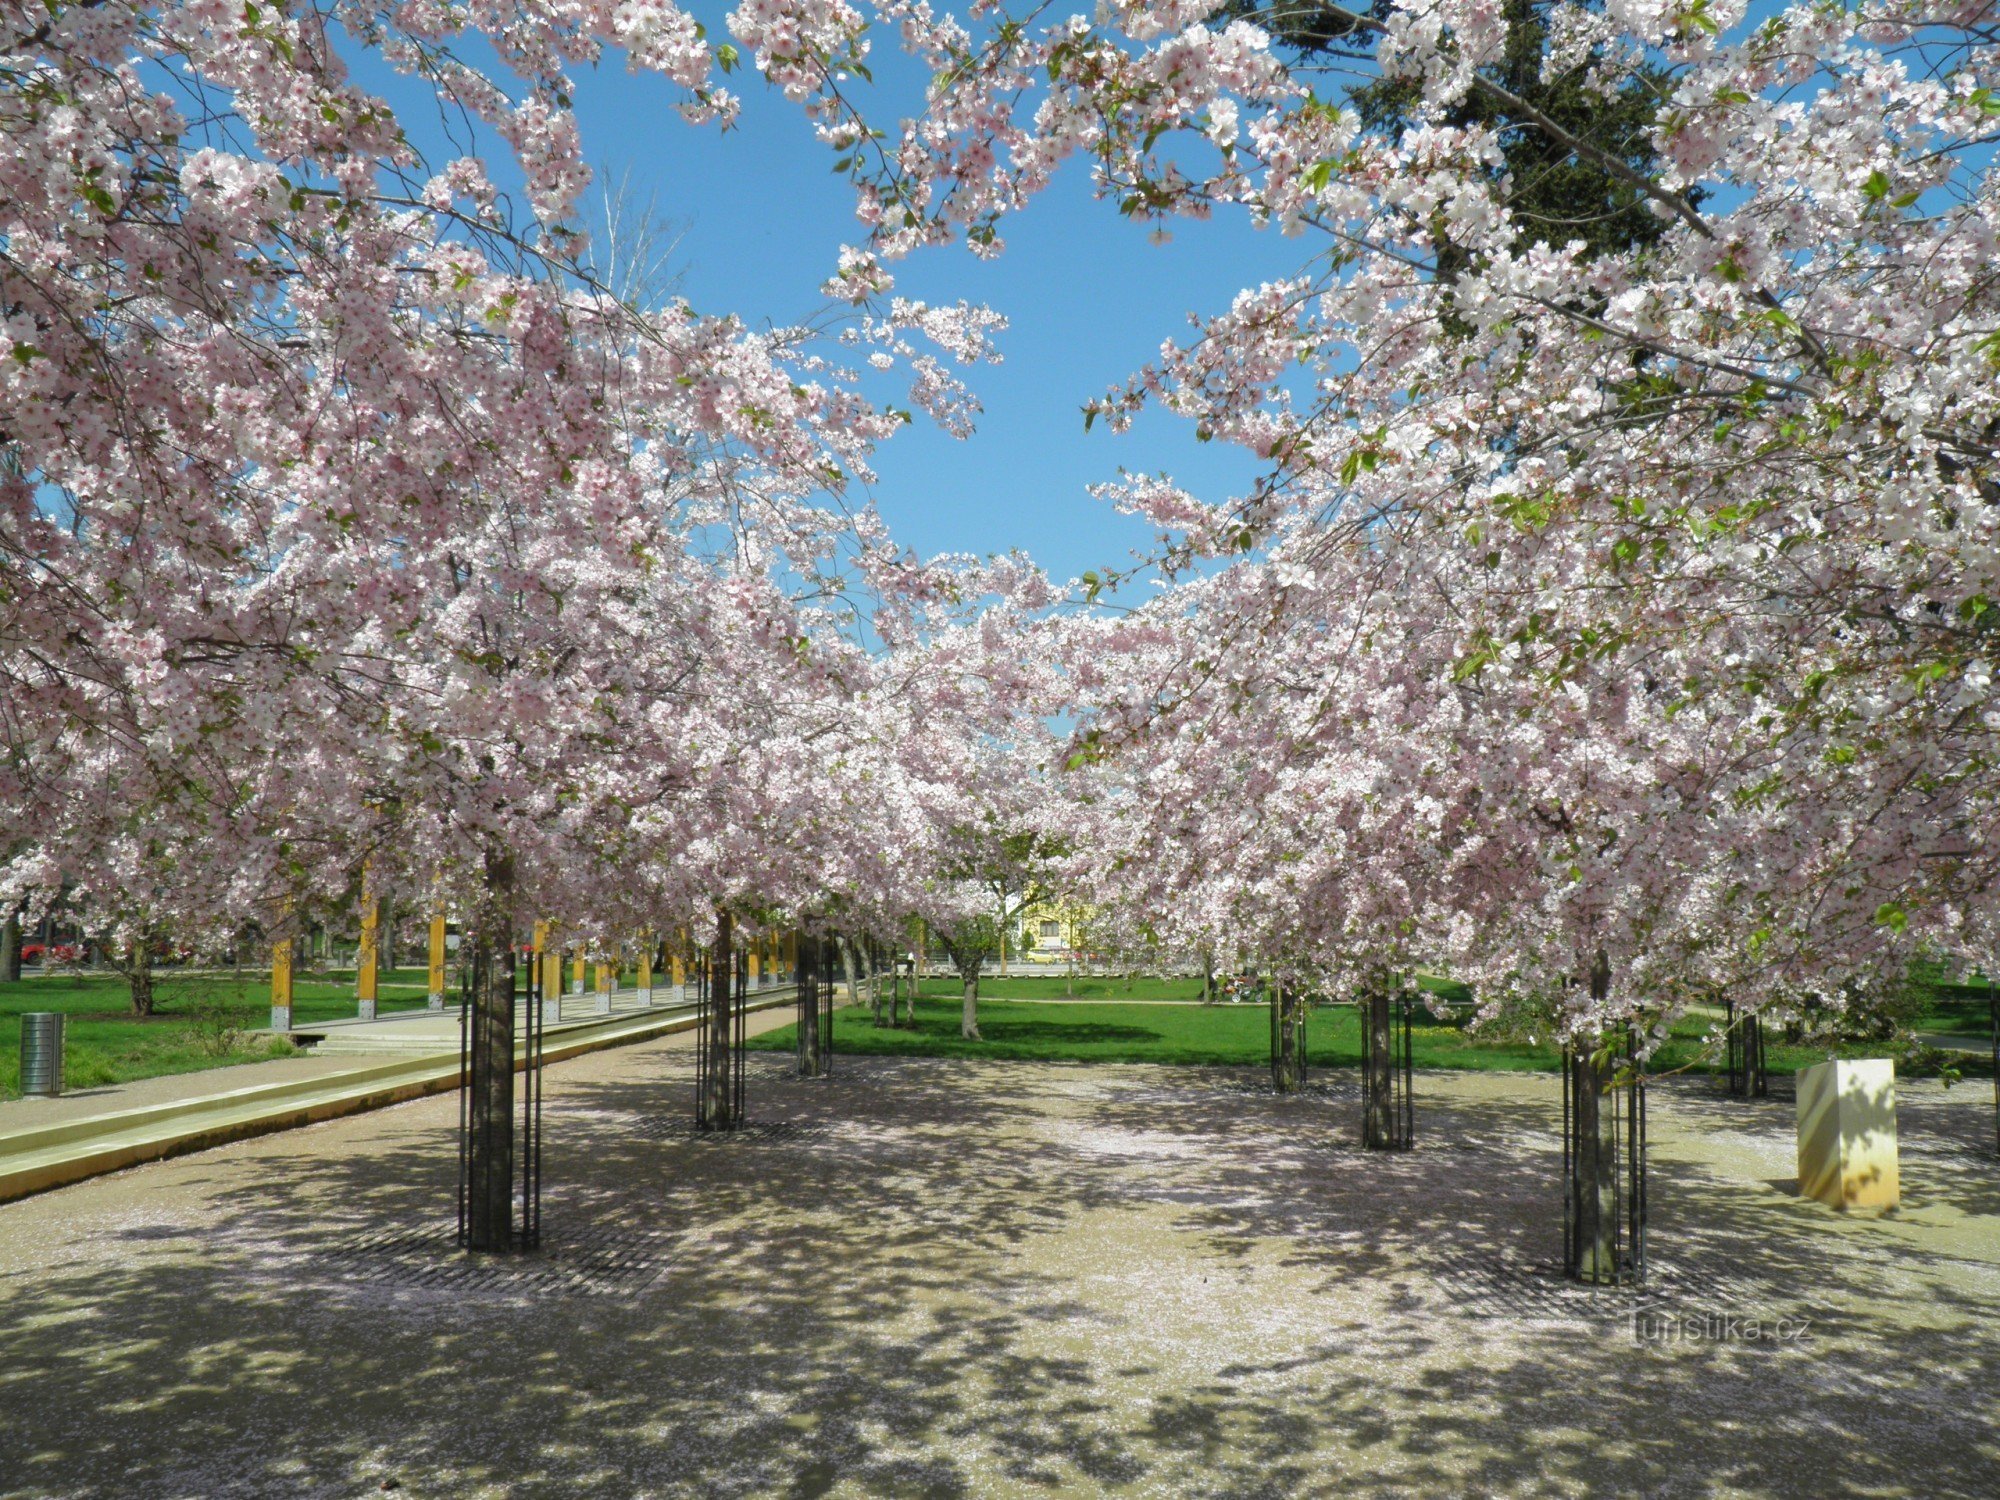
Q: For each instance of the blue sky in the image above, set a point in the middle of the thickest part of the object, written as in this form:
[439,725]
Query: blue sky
[1088,296]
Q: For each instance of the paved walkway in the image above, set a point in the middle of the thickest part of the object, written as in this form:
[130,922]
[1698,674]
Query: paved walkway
[933,1278]
[171,1088]
[433,1031]
[356,1066]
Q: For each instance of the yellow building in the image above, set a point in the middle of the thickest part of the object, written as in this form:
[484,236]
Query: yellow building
[1050,930]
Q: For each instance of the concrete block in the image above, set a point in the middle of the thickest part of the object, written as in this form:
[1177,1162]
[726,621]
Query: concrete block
[1847,1133]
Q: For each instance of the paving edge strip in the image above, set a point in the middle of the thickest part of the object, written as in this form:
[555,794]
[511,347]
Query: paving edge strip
[52,1156]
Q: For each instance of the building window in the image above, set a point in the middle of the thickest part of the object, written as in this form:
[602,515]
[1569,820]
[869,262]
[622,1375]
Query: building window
[1052,932]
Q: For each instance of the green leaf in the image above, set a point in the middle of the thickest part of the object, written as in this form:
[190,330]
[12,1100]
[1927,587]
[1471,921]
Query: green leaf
[1877,185]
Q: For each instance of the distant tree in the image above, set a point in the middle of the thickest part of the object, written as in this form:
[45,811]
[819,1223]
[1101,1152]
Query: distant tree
[1557,195]
[969,942]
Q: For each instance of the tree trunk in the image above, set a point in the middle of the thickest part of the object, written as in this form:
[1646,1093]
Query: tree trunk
[1593,1185]
[1207,980]
[718,1103]
[847,963]
[968,1017]
[812,1051]
[489,1197]
[875,1002]
[10,949]
[1594,1181]
[1288,1063]
[139,975]
[1377,1072]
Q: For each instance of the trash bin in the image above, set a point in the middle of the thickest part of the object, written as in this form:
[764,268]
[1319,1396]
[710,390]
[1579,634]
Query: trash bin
[42,1052]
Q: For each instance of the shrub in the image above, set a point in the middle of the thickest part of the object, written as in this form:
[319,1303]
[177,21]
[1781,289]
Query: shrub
[217,1028]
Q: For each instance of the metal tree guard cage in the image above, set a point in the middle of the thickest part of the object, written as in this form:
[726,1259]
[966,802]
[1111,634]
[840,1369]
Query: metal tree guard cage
[807,981]
[815,1008]
[1604,1168]
[1388,1100]
[525,1232]
[825,1029]
[721,1108]
[1744,1058]
[464,1095]
[829,950]
[1288,1039]
[1993,1015]
[526,1002]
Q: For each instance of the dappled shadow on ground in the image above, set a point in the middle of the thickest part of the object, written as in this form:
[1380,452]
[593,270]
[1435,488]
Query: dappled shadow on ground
[969,1279]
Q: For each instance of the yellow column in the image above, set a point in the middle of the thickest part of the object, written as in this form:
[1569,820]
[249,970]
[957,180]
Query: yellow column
[281,976]
[365,962]
[750,959]
[792,955]
[577,974]
[679,959]
[437,961]
[606,979]
[548,972]
[645,968]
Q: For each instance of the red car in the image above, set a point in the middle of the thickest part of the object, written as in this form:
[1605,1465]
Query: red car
[50,953]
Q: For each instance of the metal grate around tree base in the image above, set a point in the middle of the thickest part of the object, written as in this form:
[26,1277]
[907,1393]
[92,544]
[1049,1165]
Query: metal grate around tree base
[1346,1143]
[681,1128]
[1494,1285]
[1309,1090]
[584,1261]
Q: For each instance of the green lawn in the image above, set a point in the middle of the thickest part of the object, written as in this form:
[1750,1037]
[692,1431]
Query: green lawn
[1957,1007]
[1103,1030]
[1092,1031]
[1016,987]
[106,1043]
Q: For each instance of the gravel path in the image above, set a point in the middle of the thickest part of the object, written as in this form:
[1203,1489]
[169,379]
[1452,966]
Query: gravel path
[935,1278]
